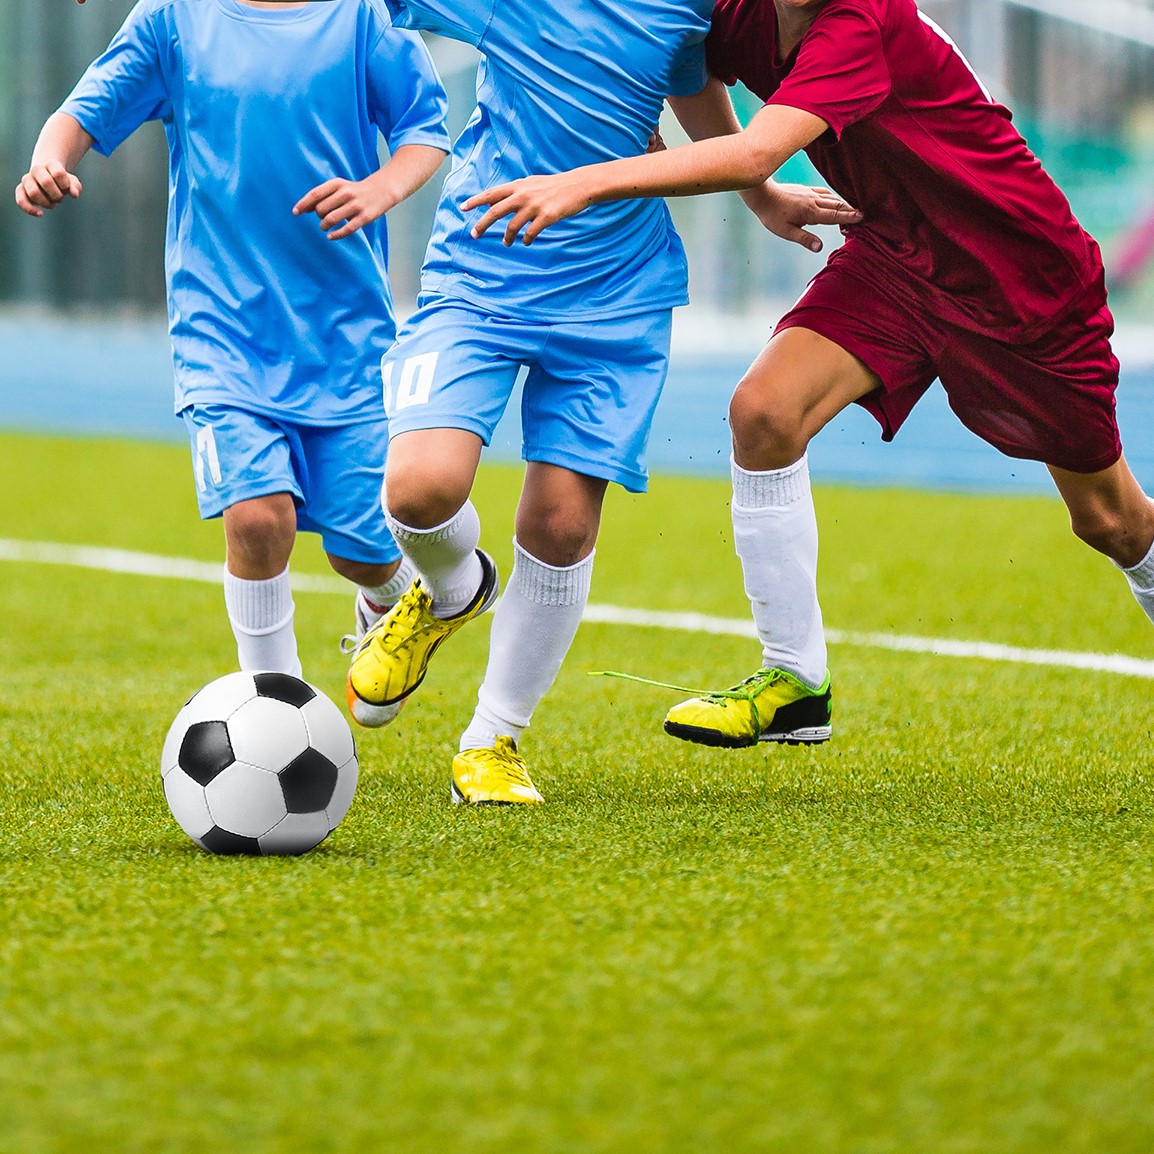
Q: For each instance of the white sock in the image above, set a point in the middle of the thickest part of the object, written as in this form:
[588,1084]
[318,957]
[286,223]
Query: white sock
[446,556]
[381,598]
[374,601]
[533,627]
[261,614]
[1141,579]
[775,534]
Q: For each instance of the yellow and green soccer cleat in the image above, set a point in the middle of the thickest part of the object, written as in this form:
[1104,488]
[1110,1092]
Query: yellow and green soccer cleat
[392,659]
[496,776]
[772,705]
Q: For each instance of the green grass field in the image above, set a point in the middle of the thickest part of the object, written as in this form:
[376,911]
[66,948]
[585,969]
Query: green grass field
[931,935]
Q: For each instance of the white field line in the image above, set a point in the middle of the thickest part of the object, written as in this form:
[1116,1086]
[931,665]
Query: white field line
[154,565]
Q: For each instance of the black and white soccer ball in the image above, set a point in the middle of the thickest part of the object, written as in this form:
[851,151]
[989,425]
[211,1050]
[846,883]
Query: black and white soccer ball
[259,763]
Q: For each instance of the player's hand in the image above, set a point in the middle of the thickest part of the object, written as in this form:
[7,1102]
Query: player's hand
[534,203]
[786,209]
[656,144]
[44,186]
[344,206]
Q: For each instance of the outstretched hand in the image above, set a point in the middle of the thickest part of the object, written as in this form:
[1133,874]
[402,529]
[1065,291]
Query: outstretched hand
[534,203]
[44,186]
[786,210]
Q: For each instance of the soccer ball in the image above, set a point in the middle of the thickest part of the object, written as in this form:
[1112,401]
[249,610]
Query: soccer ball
[259,763]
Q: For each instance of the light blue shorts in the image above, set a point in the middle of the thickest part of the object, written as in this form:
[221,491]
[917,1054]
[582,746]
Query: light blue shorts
[333,473]
[588,398]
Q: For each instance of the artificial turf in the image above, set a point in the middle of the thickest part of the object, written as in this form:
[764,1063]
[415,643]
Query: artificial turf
[932,934]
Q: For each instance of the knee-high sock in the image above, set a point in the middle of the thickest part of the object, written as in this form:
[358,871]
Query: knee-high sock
[1141,579]
[775,534]
[374,601]
[446,556]
[261,615]
[533,628]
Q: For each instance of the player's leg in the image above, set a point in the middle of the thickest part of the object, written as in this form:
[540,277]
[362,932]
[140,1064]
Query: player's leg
[379,588]
[427,485]
[587,408]
[800,382]
[243,467]
[1111,513]
[533,628]
[428,479]
[259,534]
[448,380]
[1053,401]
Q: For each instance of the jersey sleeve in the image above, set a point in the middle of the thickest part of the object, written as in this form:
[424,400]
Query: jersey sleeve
[124,87]
[466,20]
[841,74]
[407,101]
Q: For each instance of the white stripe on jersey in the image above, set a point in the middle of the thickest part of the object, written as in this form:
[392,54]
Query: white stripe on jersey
[939,31]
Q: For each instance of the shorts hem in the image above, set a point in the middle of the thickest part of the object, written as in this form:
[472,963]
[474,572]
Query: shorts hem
[349,550]
[211,510]
[463,424]
[630,480]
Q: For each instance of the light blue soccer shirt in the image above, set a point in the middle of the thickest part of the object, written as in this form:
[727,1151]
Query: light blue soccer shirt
[259,106]
[562,84]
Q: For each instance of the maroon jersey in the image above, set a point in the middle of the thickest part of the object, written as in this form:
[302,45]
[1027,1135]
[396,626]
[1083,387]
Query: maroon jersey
[953,199]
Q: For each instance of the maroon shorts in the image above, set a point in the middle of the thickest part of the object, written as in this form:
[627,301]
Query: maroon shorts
[1050,400]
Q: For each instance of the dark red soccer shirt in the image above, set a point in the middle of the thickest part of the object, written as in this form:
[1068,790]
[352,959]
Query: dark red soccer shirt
[957,209]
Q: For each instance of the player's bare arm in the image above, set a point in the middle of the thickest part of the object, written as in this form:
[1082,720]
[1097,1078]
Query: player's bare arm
[783,209]
[344,206]
[731,162]
[50,177]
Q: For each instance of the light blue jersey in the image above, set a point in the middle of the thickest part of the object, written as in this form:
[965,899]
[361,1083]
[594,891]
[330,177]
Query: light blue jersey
[561,85]
[259,106]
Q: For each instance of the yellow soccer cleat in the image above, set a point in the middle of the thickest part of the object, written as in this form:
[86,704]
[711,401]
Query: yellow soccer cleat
[772,705]
[392,659]
[496,776]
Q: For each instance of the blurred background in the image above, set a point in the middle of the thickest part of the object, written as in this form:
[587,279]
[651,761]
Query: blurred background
[86,283]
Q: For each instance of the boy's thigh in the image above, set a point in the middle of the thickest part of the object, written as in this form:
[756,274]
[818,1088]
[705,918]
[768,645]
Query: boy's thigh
[883,330]
[589,400]
[343,468]
[238,455]
[454,367]
[1051,400]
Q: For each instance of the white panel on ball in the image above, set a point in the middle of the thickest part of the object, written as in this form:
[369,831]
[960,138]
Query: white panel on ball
[297,833]
[268,733]
[328,730]
[172,744]
[343,793]
[219,698]
[185,798]
[245,800]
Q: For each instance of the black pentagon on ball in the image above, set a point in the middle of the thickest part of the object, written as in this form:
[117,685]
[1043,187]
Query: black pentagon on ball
[284,687]
[308,782]
[222,842]
[205,751]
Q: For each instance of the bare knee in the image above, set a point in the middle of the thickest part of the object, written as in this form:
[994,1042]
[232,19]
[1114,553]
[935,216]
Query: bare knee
[423,500]
[260,534]
[1110,530]
[429,475]
[559,536]
[766,434]
[559,514]
[1109,511]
